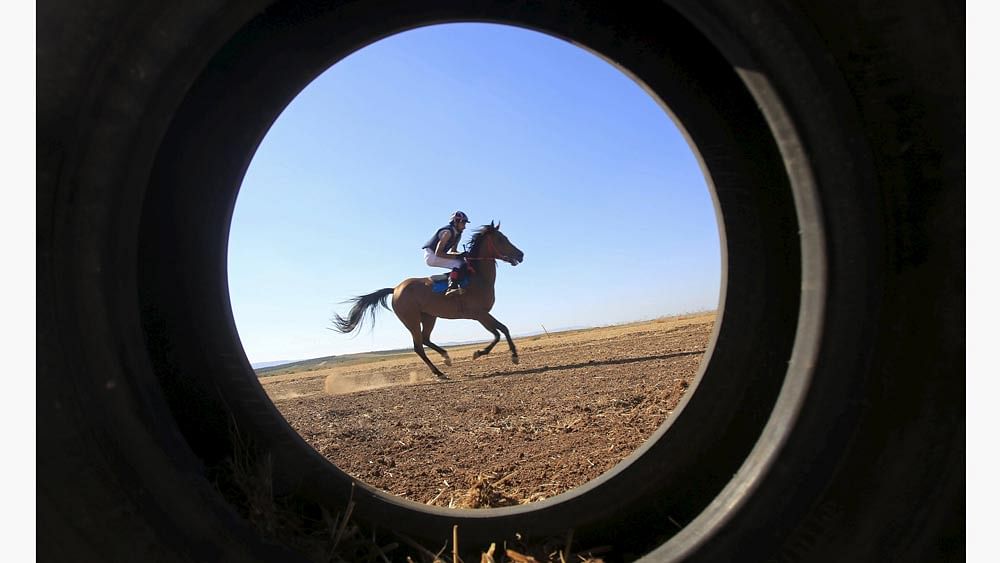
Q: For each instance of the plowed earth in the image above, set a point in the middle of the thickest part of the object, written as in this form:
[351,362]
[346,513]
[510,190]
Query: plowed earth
[496,433]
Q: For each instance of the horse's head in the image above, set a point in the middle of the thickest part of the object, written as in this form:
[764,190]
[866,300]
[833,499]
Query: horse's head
[489,242]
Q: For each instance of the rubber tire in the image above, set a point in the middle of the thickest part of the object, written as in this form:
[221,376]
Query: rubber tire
[832,135]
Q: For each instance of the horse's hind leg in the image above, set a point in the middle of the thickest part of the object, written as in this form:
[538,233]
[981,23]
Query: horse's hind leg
[412,322]
[427,321]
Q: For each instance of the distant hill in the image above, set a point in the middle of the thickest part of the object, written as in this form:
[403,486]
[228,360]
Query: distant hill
[262,365]
[325,362]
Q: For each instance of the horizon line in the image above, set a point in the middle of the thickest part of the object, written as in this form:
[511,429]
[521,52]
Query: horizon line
[259,365]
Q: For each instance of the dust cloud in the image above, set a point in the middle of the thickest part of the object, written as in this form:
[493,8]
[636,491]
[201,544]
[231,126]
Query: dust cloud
[341,384]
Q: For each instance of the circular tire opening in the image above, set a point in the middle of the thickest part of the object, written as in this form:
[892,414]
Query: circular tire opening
[593,180]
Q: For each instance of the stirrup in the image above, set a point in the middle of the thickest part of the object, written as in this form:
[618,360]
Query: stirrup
[455,289]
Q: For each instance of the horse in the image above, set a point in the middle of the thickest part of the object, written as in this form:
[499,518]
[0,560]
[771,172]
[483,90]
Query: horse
[418,306]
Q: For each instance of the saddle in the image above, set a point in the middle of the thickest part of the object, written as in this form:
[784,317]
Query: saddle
[440,282]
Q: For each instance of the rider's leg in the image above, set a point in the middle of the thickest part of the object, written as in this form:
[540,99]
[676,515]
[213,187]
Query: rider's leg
[456,275]
[453,278]
[436,261]
[455,264]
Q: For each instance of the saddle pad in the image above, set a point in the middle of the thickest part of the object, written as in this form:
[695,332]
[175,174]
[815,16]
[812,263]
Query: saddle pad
[441,283]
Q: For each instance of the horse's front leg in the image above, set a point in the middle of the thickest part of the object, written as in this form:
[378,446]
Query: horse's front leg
[495,327]
[496,338]
[510,342]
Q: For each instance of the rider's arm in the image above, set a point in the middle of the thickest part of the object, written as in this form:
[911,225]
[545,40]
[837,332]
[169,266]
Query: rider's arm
[443,241]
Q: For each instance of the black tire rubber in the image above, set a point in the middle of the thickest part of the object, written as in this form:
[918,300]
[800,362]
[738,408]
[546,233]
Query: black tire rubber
[828,422]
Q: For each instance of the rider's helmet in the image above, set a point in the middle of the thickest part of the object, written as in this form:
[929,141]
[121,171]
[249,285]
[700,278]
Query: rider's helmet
[459,216]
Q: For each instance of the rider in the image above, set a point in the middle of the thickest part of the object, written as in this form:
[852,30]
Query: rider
[440,251]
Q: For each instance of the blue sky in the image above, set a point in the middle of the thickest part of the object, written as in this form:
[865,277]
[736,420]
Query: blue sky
[587,174]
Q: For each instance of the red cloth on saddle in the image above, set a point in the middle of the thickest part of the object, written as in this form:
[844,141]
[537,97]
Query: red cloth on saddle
[453,275]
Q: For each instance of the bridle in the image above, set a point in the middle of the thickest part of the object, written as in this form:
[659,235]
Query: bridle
[491,249]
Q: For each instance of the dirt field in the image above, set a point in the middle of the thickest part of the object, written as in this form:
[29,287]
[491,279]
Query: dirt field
[496,433]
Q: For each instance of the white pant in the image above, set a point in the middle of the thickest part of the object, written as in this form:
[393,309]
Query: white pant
[434,260]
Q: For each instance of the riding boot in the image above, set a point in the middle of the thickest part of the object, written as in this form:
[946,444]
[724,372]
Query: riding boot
[453,286]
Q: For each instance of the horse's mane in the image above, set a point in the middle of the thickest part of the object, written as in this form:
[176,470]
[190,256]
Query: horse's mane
[477,237]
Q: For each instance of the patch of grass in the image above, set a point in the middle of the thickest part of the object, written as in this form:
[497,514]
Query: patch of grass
[245,480]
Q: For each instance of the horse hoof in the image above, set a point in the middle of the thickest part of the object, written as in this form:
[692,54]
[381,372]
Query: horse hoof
[447,361]
[514,359]
[476,354]
[441,376]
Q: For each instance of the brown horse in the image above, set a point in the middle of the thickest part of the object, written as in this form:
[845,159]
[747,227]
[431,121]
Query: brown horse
[418,306]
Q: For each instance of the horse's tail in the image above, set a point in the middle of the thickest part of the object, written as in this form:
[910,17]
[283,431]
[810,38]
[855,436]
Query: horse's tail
[363,306]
